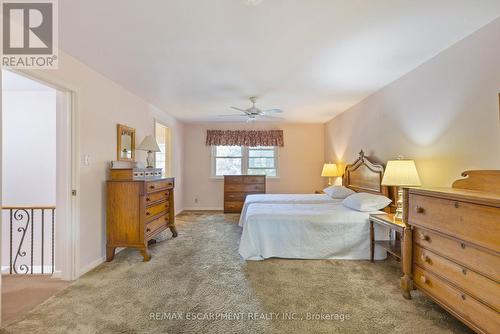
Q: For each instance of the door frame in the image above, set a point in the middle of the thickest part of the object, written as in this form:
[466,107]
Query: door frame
[71,234]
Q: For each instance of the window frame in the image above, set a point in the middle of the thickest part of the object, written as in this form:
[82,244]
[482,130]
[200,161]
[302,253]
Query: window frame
[244,162]
[167,171]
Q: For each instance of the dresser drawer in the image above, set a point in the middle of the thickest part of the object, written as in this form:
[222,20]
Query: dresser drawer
[461,303]
[244,188]
[235,197]
[482,261]
[156,209]
[475,284]
[156,225]
[254,179]
[236,179]
[156,197]
[153,186]
[467,221]
[233,206]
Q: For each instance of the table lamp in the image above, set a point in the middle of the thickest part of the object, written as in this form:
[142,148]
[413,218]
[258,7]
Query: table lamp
[400,173]
[150,145]
[329,170]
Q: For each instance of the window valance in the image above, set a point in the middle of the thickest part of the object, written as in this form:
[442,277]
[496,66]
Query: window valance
[245,137]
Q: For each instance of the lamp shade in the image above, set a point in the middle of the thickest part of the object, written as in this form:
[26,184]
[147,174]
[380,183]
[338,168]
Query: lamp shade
[401,173]
[149,144]
[329,170]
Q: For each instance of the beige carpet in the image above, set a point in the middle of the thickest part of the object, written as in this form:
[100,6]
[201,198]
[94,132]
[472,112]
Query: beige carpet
[21,293]
[200,275]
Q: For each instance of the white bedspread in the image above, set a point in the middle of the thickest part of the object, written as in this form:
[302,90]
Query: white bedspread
[307,231]
[284,199]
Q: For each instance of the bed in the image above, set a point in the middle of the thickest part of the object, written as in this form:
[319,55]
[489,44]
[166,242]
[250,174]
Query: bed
[306,230]
[284,199]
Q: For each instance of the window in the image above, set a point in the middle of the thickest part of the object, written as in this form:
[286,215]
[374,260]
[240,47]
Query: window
[237,160]
[162,159]
[262,161]
[228,160]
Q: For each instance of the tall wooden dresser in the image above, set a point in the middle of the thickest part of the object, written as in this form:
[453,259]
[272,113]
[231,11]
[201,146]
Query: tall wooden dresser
[137,211]
[237,187]
[455,254]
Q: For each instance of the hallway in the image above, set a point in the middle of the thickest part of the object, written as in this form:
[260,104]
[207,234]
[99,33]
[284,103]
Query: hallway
[20,294]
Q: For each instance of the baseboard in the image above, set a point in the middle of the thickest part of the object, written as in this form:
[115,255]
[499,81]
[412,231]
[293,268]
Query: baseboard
[96,263]
[205,208]
[91,265]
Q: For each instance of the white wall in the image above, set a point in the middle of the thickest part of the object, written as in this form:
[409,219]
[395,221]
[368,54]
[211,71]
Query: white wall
[101,104]
[444,114]
[300,162]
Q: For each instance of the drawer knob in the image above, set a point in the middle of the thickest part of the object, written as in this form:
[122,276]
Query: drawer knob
[424,258]
[423,279]
[456,205]
[151,187]
[419,209]
[424,237]
[462,245]
[148,199]
[166,194]
[166,218]
[464,271]
[148,230]
[148,213]
[464,297]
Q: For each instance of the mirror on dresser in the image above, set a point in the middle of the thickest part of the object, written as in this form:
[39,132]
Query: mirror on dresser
[125,149]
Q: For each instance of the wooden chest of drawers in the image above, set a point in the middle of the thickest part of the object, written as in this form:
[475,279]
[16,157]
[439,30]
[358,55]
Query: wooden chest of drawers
[237,187]
[454,256]
[136,212]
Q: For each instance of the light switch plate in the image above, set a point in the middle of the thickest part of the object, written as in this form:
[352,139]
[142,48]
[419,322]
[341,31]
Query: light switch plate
[86,159]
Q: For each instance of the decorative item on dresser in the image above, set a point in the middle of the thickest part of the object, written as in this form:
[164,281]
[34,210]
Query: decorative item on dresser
[149,145]
[455,254]
[125,143]
[237,187]
[138,209]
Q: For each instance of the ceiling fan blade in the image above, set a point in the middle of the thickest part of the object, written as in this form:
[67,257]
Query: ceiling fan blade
[273,117]
[232,115]
[239,109]
[274,110]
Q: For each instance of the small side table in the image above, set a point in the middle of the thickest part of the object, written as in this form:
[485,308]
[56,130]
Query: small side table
[392,246]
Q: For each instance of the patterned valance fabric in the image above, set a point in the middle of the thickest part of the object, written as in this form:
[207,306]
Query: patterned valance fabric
[245,138]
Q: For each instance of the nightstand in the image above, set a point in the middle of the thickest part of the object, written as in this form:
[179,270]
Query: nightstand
[392,246]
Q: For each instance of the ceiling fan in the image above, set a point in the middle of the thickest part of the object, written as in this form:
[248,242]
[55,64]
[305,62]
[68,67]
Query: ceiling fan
[253,112]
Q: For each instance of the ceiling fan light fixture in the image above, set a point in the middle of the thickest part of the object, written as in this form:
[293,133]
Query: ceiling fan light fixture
[252,2]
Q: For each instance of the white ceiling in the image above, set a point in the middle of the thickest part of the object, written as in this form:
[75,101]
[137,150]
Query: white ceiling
[312,58]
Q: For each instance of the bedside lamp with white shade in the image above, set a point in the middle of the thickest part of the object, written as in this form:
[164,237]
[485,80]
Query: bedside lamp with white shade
[401,173]
[150,145]
[330,170]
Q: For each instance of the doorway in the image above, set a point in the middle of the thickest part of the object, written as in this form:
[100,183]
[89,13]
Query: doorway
[37,250]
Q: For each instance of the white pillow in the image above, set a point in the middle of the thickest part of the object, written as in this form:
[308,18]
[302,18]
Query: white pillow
[339,192]
[366,202]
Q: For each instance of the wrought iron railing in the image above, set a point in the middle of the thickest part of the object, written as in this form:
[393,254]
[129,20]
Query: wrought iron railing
[31,237]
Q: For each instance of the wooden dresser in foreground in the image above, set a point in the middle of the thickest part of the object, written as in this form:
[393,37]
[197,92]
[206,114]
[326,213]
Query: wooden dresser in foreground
[237,187]
[137,210]
[455,254]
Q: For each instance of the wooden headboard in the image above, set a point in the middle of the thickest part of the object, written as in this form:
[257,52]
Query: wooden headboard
[365,176]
